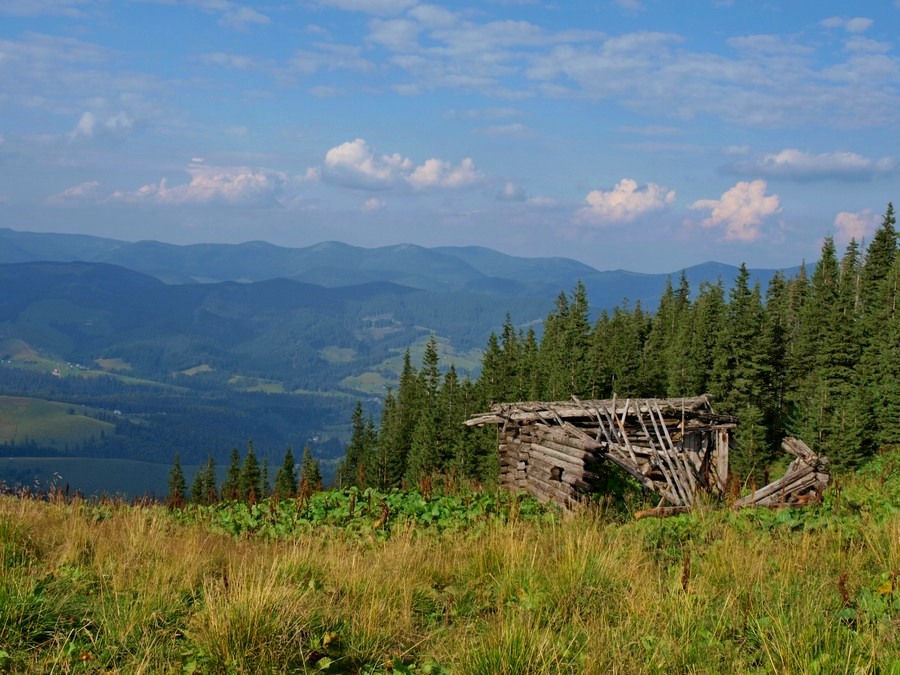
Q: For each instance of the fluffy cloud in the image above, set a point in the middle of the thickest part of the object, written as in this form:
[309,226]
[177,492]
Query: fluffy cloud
[91,125]
[372,205]
[740,210]
[856,25]
[512,193]
[88,190]
[440,173]
[232,186]
[624,203]
[803,166]
[354,164]
[855,225]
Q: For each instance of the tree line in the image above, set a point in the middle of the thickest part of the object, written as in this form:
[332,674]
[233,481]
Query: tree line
[246,479]
[815,356]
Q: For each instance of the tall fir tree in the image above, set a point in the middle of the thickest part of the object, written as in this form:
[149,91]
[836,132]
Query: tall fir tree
[177,485]
[388,462]
[286,477]
[231,487]
[310,472]
[359,450]
[250,480]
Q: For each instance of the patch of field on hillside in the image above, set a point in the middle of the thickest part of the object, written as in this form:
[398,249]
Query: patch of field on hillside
[369,382]
[113,364]
[47,423]
[196,370]
[334,354]
[256,384]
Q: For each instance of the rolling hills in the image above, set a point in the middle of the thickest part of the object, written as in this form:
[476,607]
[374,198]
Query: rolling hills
[197,349]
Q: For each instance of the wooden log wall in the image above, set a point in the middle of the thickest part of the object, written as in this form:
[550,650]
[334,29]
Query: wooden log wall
[555,451]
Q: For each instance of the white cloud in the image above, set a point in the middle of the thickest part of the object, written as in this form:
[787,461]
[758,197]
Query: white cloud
[515,130]
[232,186]
[855,225]
[232,15]
[630,5]
[69,8]
[624,203]
[372,205]
[326,91]
[354,164]
[86,191]
[803,166]
[740,210]
[379,7]
[542,202]
[329,57]
[241,17]
[90,125]
[440,173]
[856,25]
[512,193]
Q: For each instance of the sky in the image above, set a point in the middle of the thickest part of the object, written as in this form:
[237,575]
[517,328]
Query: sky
[647,135]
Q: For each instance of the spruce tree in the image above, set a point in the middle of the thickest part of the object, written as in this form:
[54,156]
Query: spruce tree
[576,344]
[491,383]
[310,474]
[250,481]
[265,486]
[177,485]
[198,488]
[388,464]
[210,494]
[886,391]
[231,488]
[657,348]
[358,453]
[286,477]
[552,357]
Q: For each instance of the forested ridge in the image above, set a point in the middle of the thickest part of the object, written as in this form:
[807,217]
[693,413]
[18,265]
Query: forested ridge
[815,356]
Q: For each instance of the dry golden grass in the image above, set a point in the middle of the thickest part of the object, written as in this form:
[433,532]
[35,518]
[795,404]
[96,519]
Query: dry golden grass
[100,588]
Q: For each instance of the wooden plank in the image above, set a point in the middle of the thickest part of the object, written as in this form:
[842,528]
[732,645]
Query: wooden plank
[679,489]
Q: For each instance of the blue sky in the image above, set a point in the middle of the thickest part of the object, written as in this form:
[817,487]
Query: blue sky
[641,134]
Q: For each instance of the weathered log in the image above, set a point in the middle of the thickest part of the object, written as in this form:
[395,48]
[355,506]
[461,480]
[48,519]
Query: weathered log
[662,512]
[550,456]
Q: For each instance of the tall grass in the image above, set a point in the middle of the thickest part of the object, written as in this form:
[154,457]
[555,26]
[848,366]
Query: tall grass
[114,588]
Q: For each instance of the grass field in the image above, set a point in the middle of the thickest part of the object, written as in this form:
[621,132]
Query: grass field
[47,423]
[113,364]
[110,588]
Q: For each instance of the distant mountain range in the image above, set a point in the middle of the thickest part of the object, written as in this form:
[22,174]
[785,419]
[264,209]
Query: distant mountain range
[468,269]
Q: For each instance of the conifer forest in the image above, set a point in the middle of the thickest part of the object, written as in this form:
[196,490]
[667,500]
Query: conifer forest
[816,356]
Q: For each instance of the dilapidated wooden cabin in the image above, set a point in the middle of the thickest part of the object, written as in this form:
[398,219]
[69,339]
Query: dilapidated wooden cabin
[675,447]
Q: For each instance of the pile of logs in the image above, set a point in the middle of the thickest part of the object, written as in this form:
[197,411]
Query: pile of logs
[803,483]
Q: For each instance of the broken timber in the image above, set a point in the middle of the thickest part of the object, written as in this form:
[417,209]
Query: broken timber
[675,447]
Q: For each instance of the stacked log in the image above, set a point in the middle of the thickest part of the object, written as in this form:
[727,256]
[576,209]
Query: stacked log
[803,482]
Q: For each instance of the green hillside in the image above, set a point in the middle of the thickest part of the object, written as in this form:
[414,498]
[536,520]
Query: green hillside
[47,424]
